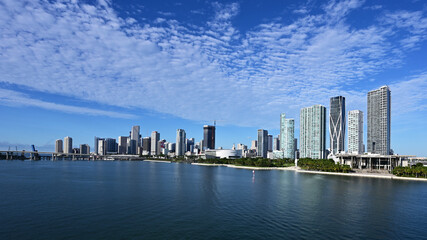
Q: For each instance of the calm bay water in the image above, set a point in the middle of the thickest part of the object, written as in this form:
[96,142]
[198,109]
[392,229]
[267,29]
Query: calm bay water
[146,200]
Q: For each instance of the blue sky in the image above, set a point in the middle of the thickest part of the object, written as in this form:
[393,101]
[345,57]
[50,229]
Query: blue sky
[95,68]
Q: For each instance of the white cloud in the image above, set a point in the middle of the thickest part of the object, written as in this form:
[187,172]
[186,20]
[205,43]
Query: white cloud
[204,72]
[14,98]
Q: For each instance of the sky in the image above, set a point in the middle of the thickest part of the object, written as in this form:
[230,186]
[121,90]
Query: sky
[98,67]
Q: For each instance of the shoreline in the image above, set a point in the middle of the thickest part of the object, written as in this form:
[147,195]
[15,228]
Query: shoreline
[299,170]
[149,160]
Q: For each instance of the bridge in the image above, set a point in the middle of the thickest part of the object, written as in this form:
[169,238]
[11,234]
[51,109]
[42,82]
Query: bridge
[35,155]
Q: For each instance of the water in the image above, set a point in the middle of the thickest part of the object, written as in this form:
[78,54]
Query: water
[146,200]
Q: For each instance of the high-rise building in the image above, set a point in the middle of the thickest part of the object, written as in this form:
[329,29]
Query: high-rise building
[146,146]
[102,147]
[155,138]
[313,132]
[208,137]
[171,147]
[134,134]
[355,132]
[180,142]
[262,143]
[379,110]
[84,149]
[287,135]
[68,145]
[189,145]
[110,145]
[254,145]
[123,144]
[270,143]
[276,144]
[337,124]
[59,146]
[132,147]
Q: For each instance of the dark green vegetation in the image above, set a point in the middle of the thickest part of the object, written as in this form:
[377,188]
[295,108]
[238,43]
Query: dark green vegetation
[417,171]
[325,165]
[251,162]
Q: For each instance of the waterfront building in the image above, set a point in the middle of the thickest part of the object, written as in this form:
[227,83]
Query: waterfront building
[110,145]
[262,143]
[180,142]
[189,145]
[241,147]
[313,132]
[132,147]
[379,110]
[161,147]
[155,138]
[287,136]
[270,143]
[355,132]
[59,146]
[102,147]
[295,145]
[337,124]
[84,149]
[254,144]
[134,134]
[209,137]
[68,145]
[276,143]
[146,146]
[123,143]
[171,147]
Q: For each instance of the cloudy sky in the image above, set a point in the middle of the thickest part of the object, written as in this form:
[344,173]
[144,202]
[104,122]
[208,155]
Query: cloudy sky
[97,67]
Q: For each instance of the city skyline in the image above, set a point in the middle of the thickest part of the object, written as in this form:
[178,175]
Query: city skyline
[168,65]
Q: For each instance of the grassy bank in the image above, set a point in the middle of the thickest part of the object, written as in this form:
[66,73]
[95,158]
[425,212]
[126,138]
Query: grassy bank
[325,165]
[416,171]
[251,162]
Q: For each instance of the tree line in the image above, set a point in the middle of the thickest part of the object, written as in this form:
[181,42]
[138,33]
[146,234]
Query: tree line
[325,165]
[417,171]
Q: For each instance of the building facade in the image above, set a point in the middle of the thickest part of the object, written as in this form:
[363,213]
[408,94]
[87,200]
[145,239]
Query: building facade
[180,142]
[134,134]
[155,138]
[146,146]
[313,132]
[262,143]
[208,137]
[84,149]
[379,111]
[59,146]
[287,135]
[355,132]
[337,124]
[123,144]
[68,145]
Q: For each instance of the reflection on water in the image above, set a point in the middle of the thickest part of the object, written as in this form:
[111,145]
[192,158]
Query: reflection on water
[113,199]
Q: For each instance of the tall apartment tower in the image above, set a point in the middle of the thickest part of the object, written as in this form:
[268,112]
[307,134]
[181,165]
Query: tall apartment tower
[180,142]
[254,145]
[84,149]
[208,137]
[134,134]
[270,143]
[68,145]
[355,132]
[123,144]
[155,138]
[146,146]
[262,143]
[337,124]
[59,146]
[276,144]
[102,147]
[313,132]
[287,135]
[379,110]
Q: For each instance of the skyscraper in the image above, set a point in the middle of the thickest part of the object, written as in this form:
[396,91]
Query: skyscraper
[68,145]
[155,138]
[313,132]
[84,149]
[134,134]
[123,143]
[287,135]
[270,143]
[102,147]
[146,146]
[276,144]
[59,146]
[379,110]
[180,142]
[337,124]
[355,132]
[262,143]
[254,144]
[209,137]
